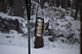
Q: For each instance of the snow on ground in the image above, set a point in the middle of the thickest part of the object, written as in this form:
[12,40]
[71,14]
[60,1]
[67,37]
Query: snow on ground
[20,41]
[19,45]
[19,50]
[14,39]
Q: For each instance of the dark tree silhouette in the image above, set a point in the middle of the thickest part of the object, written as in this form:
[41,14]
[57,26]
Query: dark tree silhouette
[77,8]
[57,3]
[3,6]
[65,3]
[81,23]
[18,7]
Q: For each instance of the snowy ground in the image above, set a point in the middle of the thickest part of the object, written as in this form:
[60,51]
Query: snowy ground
[14,39]
[18,45]
[20,50]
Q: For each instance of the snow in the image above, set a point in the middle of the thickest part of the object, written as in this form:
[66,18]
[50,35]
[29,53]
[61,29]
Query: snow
[17,43]
[14,39]
[19,50]
[21,20]
[12,50]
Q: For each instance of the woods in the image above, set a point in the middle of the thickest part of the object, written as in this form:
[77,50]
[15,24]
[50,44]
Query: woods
[3,5]
[61,19]
[16,7]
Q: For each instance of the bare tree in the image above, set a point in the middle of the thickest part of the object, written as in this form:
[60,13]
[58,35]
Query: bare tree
[18,7]
[81,23]
[3,6]
[77,8]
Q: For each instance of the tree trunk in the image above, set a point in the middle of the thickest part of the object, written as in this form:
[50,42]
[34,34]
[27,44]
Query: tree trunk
[77,8]
[3,6]
[81,25]
[18,7]
[57,3]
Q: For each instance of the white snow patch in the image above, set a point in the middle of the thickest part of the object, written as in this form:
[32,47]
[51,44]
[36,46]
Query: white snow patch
[20,50]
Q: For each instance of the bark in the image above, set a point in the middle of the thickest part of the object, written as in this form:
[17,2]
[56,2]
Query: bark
[77,8]
[3,6]
[81,26]
[18,7]
[57,3]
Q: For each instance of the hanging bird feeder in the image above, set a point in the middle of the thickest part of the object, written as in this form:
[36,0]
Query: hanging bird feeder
[38,33]
[39,26]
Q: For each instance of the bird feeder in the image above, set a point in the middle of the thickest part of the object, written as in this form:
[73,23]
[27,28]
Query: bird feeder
[39,27]
[39,43]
